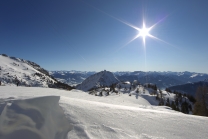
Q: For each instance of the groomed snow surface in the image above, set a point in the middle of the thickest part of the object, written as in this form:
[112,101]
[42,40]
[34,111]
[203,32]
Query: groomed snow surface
[88,116]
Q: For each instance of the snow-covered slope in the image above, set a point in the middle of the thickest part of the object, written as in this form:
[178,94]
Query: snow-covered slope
[25,73]
[115,117]
[103,78]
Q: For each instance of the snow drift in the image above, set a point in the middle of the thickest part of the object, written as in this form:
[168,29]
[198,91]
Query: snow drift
[37,118]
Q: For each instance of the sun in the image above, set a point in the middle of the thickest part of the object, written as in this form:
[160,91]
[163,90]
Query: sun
[143,32]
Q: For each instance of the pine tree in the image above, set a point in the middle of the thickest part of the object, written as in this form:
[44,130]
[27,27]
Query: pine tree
[190,107]
[177,109]
[168,104]
[160,94]
[137,90]
[168,100]
[201,105]
[101,93]
[157,97]
[184,107]
[155,88]
[173,106]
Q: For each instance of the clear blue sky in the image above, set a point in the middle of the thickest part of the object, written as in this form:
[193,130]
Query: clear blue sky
[85,35]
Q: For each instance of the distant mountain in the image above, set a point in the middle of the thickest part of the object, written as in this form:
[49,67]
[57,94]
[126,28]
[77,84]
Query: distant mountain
[161,79]
[103,78]
[73,77]
[16,71]
[189,88]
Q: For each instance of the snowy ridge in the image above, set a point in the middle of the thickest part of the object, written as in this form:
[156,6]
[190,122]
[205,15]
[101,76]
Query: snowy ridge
[103,78]
[15,71]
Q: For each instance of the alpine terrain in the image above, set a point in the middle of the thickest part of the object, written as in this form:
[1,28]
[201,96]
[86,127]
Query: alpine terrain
[101,106]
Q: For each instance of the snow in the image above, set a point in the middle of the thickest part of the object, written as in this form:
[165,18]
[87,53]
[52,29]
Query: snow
[36,118]
[194,75]
[115,116]
[13,70]
[124,84]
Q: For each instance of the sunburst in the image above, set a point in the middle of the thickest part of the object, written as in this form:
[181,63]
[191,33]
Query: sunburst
[143,32]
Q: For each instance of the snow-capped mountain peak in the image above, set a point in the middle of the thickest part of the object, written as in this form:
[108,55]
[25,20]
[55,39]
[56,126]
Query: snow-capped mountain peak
[103,78]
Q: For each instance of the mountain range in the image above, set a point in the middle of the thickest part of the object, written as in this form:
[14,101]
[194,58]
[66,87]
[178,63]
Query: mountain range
[161,79]
[16,70]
